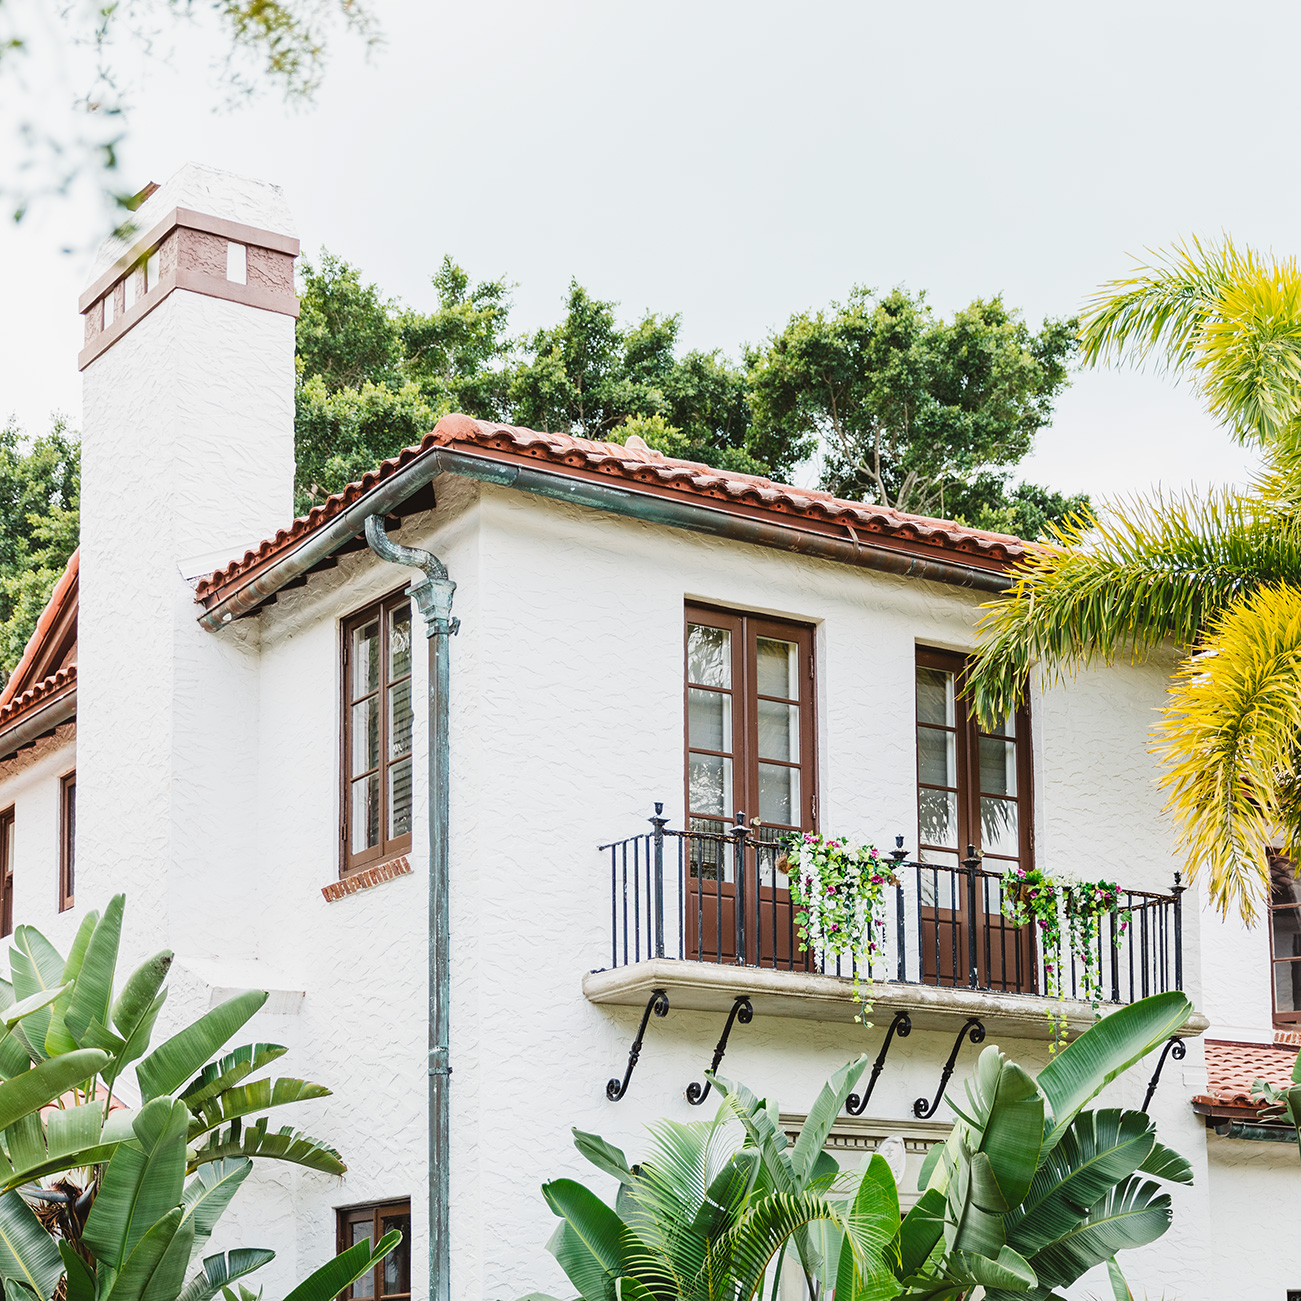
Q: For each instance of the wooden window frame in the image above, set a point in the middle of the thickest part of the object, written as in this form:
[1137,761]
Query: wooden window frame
[746,629]
[7,871]
[346,1216]
[67,840]
[1282,1019]
[967,753]
[388,847]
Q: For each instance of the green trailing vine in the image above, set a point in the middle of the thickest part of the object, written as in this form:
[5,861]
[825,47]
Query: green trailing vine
[1032,897]
[838,891]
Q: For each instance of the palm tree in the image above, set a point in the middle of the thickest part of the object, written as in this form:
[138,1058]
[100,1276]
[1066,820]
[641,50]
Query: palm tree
[1216,576]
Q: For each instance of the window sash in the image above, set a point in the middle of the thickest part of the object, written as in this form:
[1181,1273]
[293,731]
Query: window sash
[370,1220]
[968,795]
[385,709]
[755,726]
[7,872]
[67,841]
[1281,872]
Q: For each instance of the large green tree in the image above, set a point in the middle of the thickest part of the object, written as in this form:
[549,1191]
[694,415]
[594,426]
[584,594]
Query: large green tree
[40,500]
[911,410]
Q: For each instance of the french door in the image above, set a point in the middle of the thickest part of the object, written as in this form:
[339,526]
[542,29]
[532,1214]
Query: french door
[973,789]
[749,715]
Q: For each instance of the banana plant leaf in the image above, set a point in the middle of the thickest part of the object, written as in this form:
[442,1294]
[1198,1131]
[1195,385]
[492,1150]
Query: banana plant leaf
[27,1251]
[1164,1163]
[592,1244]
[135,1013]
[168,1066]
[94,986]
[1132,1214]
[71,1137]
[155,1269]
[1086,1066]
[221,1270]
[24,1095]
[1119,1288]
[35,966]
[869,1253]
[80,1278]
[1098,1150]
[1004,1121]
[57,1037]
[286,1144]
[209,1193]
[604,1156]
[231,1069]
[38,1002]
[344,1270]
[143,1182]
[822,1115]
[257,1095]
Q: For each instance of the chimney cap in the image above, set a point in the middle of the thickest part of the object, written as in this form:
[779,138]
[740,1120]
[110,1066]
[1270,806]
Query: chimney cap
[207,190]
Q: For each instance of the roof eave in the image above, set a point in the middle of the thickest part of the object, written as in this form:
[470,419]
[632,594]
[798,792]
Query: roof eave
[649,503]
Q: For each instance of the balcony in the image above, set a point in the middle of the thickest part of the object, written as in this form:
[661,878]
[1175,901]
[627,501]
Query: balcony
[707,918]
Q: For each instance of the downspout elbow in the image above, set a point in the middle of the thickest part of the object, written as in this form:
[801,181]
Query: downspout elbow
[433,593]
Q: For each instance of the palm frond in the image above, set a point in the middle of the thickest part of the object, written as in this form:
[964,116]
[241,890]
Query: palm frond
[1229,738]
[1120,582]
[1228,319]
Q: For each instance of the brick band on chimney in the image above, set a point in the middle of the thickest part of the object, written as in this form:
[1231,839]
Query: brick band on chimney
[187,250]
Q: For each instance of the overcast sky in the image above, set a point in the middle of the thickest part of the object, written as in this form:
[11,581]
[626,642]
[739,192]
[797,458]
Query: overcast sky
[737,162]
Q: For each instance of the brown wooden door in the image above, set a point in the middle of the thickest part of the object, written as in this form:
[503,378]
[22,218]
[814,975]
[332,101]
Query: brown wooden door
[749,714]
[973,789]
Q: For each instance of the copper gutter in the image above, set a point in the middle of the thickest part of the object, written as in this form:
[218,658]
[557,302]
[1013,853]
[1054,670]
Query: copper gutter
[42,720]
[760,528]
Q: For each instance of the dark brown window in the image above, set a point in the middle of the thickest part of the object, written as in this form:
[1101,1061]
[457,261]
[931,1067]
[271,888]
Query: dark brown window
[390,1280]
[377,719]
[973,788]
[1285,939]
[749,722]
[67,841]
[7,872]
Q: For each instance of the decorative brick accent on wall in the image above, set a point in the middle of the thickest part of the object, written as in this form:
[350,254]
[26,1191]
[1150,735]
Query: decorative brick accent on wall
[1288,1038]
[363,880]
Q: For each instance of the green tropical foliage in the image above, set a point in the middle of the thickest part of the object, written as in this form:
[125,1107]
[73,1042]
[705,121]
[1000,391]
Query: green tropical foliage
[40,498]
[99,1200]
[1029,1192]
[1217,576]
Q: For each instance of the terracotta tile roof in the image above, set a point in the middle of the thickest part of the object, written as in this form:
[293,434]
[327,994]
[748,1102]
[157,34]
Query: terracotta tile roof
[653,472]
[62,600]
[44,690]
[1232,1068]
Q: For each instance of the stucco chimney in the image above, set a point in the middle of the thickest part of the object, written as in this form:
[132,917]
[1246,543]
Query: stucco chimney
[187,451]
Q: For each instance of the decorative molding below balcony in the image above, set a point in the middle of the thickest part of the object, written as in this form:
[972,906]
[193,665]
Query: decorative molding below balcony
[711,987]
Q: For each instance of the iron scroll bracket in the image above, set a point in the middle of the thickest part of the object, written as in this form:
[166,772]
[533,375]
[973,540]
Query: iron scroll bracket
[902,1026]
[743,1011]
[1176,1048]
[973,1029]
[658,1003]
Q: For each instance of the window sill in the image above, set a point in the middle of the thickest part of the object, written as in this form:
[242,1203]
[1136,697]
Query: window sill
[367,878]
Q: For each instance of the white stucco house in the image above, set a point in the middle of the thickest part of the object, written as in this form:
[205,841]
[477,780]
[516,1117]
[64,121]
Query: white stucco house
[658,667]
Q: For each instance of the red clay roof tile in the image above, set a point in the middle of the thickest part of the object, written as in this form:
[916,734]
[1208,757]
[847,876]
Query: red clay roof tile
[1232,1069]
[582,456]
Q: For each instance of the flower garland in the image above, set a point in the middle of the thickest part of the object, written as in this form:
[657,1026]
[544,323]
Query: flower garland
[838,891]
[1035,897]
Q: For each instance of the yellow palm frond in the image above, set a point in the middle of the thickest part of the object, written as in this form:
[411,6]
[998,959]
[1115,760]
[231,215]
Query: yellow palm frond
[1229,741]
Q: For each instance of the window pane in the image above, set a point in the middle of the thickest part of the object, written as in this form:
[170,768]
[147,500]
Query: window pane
[709,656]
[1287,933]
[936,764]
[998,827]
[779,731]
[709,719]
[1006,728]
[365,735]
[399,642]
[935,697]
[399,799]
[778,668]
[362,1231]
[709,781]
[365,813]
[997,766]
[396,1277]
[939,817]
[1287,986]
[936,887]
[1284,886]
[365,659]
[399,719]
[779,794]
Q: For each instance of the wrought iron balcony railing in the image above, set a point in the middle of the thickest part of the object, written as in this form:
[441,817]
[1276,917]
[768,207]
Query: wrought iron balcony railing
[722,897]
